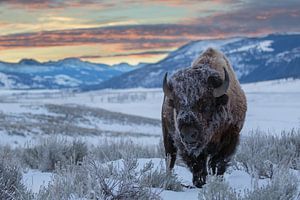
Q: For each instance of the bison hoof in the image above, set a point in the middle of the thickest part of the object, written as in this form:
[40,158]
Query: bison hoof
[199,181]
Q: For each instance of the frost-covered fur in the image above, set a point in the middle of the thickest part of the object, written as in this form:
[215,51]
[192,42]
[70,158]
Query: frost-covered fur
[198,124]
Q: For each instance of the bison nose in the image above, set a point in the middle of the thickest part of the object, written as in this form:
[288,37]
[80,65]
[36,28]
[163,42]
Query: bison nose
[188,133]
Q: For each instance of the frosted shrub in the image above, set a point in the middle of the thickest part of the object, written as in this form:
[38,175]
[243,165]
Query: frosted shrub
[10,156]
[283,186]
[11,186]
[123,184]
[217,189]
[160,178]
[93,180]
[77,152]
[73,181]
[259,154]
[114,150]
[291,140]
[54,152]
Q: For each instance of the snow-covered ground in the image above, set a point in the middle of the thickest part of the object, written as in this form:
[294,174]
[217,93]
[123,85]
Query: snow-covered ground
[273,106]
[238,180]
[34,179]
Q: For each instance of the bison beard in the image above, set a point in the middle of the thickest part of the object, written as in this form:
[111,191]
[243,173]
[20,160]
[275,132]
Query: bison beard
[202,115]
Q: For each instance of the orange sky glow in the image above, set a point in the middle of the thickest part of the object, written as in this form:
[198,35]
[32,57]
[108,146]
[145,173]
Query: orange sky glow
[131,31]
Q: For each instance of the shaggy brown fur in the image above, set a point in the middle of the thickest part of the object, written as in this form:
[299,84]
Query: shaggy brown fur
[198,125]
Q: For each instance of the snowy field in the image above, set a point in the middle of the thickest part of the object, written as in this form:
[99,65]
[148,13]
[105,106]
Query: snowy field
[28,116]
[273,106]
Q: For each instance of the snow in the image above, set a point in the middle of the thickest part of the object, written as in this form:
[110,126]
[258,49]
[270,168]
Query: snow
[195,48]
[275,86]
[273,106]
[140,102]
[242,181]
[13,140]
[34,179]
[150,106]
[66,80]
[263,46]
[6,81]
[286,56]
[21,108]
[156,73]
[142,128]
[238,180]
[190,194]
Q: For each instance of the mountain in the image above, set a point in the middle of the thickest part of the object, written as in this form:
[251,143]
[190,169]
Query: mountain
[66,73]
[125,67]
[254,59]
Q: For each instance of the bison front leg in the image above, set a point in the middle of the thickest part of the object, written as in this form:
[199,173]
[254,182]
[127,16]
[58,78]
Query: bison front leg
[218,165]
[198,168]
[170,149]
[171,153]
[219,161]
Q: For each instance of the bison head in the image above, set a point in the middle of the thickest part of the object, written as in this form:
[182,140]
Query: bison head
[196,96]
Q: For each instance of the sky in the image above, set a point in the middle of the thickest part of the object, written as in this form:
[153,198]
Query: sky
[133,31]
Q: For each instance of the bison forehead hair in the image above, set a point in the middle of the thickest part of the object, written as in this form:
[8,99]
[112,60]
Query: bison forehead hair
[191,85]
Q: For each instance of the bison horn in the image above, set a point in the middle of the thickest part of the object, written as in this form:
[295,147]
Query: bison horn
[221,90]
[166,86]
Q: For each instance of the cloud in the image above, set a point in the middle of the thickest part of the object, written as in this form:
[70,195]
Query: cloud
[54,4]
[118,4]
[141,36]
[34,4]
[252,18]
[144,53]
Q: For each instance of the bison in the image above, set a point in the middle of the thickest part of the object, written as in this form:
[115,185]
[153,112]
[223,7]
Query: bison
[203,113]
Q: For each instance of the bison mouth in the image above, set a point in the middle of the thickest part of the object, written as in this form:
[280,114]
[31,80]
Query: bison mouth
[192,147]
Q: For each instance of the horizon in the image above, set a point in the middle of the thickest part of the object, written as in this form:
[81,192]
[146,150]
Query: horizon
[124,62]
[143,31]
[121,62]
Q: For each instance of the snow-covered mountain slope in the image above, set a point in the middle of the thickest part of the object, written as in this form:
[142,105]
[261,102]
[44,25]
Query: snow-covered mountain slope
[125,67]
[66,73]
[254,59]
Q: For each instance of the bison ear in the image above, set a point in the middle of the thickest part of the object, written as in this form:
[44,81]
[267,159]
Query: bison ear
[222,100]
